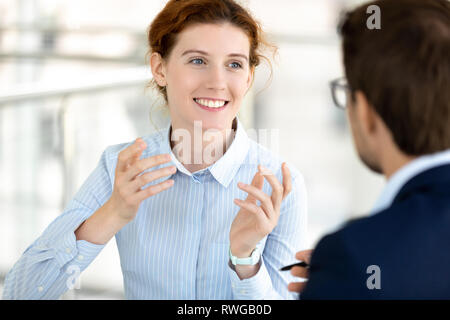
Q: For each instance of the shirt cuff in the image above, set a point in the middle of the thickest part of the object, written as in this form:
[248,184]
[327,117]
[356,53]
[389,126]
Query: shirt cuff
[82,251]
[254,288]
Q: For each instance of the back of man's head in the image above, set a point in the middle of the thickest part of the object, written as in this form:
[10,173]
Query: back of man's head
[403,69]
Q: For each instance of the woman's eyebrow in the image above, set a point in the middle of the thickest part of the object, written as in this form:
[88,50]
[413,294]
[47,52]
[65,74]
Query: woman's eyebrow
[206,54]
[238,55]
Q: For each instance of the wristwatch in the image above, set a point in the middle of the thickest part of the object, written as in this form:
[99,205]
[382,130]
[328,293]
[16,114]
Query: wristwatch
[250,261]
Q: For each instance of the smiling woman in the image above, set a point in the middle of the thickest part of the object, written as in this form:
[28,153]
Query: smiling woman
[205,76]
[179,15]
[181,230]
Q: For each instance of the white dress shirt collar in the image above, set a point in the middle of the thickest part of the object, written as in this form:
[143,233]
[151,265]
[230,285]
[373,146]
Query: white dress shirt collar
[224,169]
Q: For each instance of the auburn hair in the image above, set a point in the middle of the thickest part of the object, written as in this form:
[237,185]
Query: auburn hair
[177,15]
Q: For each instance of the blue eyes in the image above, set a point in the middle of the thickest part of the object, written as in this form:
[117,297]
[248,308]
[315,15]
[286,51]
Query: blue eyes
[237,64]
[198,61]
[193,60]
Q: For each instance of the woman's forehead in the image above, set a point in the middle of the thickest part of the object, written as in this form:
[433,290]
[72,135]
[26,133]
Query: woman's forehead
[223,38]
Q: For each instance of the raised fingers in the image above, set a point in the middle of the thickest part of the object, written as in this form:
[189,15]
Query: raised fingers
[258,194]
[277,188]
[150,176]
[249,206]
[130,154]
[141,165]
[287,180]
[258,182]
[152,190]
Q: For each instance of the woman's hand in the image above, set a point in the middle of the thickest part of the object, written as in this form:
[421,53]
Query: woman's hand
[253,223]
[300,272]
[127,194]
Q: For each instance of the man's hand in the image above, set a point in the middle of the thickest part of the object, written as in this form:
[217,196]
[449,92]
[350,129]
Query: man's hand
[300,272]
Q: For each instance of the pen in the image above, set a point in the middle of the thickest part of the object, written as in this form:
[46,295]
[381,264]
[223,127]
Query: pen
[298,264]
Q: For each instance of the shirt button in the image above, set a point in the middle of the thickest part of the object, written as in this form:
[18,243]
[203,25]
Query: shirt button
[232,285]
[40,289]
[68,250]
[80,257]
[243,291]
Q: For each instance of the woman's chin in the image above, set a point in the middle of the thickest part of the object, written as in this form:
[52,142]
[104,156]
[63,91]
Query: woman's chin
[212,124]
[215,126]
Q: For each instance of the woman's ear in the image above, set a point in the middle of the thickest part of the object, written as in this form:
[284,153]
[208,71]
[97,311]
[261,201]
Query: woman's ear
[158,70]
[250,79]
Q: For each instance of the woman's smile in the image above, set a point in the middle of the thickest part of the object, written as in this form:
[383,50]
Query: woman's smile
[210,104]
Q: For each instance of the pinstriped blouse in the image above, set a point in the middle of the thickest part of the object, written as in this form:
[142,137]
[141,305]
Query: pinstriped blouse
[177,245]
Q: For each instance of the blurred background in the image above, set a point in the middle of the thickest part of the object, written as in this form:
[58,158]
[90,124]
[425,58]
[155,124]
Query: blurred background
[73,79]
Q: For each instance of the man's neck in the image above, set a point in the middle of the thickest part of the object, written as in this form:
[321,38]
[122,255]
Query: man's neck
[395,161]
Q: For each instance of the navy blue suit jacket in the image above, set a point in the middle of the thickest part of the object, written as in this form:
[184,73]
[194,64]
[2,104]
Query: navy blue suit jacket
[409,242]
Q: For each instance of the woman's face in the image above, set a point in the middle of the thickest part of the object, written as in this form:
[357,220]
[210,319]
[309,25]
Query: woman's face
[207,75]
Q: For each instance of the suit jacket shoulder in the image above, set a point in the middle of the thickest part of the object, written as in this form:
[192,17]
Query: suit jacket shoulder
[407,243]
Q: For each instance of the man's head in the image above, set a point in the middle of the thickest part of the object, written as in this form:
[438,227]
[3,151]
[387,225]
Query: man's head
[399,79]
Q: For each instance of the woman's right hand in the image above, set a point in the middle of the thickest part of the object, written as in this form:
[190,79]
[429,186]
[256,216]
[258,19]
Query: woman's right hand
[127,194]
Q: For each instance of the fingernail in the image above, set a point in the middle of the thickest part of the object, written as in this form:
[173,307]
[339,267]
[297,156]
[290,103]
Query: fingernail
[240,184]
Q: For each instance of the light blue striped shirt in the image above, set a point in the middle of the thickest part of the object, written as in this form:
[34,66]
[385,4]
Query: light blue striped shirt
[177,245]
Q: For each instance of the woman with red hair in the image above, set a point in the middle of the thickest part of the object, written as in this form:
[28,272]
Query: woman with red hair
[186,226]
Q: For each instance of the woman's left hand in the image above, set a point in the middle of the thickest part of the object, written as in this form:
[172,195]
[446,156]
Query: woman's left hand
[252,223]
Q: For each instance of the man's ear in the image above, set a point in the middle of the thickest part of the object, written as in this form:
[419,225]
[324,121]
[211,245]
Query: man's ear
[366,115]
[158,69]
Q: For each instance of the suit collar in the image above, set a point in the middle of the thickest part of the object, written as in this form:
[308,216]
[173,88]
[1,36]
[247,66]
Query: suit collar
[400,178]
[437,177]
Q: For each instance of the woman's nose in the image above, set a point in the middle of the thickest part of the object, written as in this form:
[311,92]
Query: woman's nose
[216,79]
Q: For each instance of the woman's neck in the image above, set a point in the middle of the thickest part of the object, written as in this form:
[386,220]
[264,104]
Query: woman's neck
[198,148]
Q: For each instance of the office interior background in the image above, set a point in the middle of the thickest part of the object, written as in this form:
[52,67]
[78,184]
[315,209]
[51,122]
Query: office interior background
[73,79]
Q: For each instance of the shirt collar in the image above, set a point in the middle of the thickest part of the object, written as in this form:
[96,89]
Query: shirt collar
[224,169]
[406,173]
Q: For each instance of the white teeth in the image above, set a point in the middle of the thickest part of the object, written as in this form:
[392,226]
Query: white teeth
[210,103]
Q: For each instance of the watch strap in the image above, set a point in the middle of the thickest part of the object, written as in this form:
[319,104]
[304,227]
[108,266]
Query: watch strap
[249,261]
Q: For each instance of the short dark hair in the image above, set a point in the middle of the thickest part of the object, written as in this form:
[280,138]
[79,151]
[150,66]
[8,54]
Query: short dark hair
[403,68]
